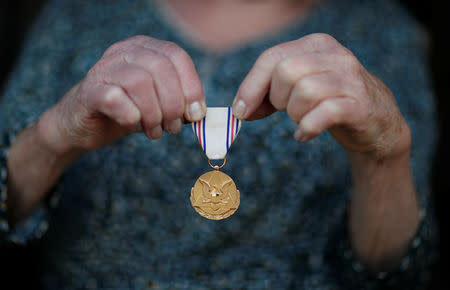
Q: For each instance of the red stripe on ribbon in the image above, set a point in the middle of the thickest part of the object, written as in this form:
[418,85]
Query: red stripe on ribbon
[199,133]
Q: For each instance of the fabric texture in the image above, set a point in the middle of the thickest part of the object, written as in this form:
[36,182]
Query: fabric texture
[33,227]
[124,218]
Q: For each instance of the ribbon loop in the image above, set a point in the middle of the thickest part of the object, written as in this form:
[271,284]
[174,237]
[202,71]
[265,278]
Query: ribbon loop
[217,131]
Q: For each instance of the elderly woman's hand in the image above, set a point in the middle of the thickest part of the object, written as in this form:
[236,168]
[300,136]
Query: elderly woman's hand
[139,84]
[323,86]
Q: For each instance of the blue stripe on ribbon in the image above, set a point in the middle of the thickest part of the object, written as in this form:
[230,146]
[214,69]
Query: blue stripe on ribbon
[237,126]
[204,139]
[228,127]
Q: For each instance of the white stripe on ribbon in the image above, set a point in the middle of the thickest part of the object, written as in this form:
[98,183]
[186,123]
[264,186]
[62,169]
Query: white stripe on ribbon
[217,131]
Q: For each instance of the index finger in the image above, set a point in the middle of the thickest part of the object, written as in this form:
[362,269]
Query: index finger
[256,84]
[195,106]
[194,97]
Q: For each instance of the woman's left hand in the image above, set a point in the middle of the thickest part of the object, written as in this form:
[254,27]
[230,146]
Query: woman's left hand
[322,85]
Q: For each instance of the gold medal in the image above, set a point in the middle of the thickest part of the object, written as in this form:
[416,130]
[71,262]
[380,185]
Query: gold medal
[214,195]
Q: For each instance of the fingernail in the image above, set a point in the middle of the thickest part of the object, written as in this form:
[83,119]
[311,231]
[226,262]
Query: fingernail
[155,132]
[298,135]
[175,126]
[239,109]
[195,111]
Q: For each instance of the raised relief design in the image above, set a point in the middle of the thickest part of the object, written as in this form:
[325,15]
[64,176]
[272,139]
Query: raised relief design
[215,195]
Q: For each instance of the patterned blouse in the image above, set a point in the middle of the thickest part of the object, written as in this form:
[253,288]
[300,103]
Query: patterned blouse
[124,219]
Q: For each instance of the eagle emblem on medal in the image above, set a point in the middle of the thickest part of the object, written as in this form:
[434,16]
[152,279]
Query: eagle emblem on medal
[215,196]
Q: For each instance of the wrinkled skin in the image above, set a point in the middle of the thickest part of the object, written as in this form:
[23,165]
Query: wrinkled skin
[322,85]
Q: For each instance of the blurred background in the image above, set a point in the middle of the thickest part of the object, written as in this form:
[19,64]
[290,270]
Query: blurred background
[19,265]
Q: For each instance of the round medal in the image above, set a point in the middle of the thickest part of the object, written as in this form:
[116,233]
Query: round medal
[215,196]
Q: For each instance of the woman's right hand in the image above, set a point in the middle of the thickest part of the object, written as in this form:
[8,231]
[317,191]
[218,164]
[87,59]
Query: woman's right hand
[139,84]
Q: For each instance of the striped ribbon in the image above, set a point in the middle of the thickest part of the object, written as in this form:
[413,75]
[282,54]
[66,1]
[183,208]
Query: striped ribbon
[217,131]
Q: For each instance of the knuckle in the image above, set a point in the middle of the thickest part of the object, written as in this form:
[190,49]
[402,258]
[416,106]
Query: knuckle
[306,90]
[136,78]
[322,39]
[114,48]
[139,38]
[97,68]
[136,40]
[159,62]
[126,44]
[347,54]
[331,109]
[286,71]
[102,67]
[118,46]
[141,56]
[111,99]
[172,49]
[273,53]
[349,59]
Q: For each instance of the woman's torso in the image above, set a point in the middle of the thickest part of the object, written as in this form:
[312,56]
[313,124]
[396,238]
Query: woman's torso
[125,219]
